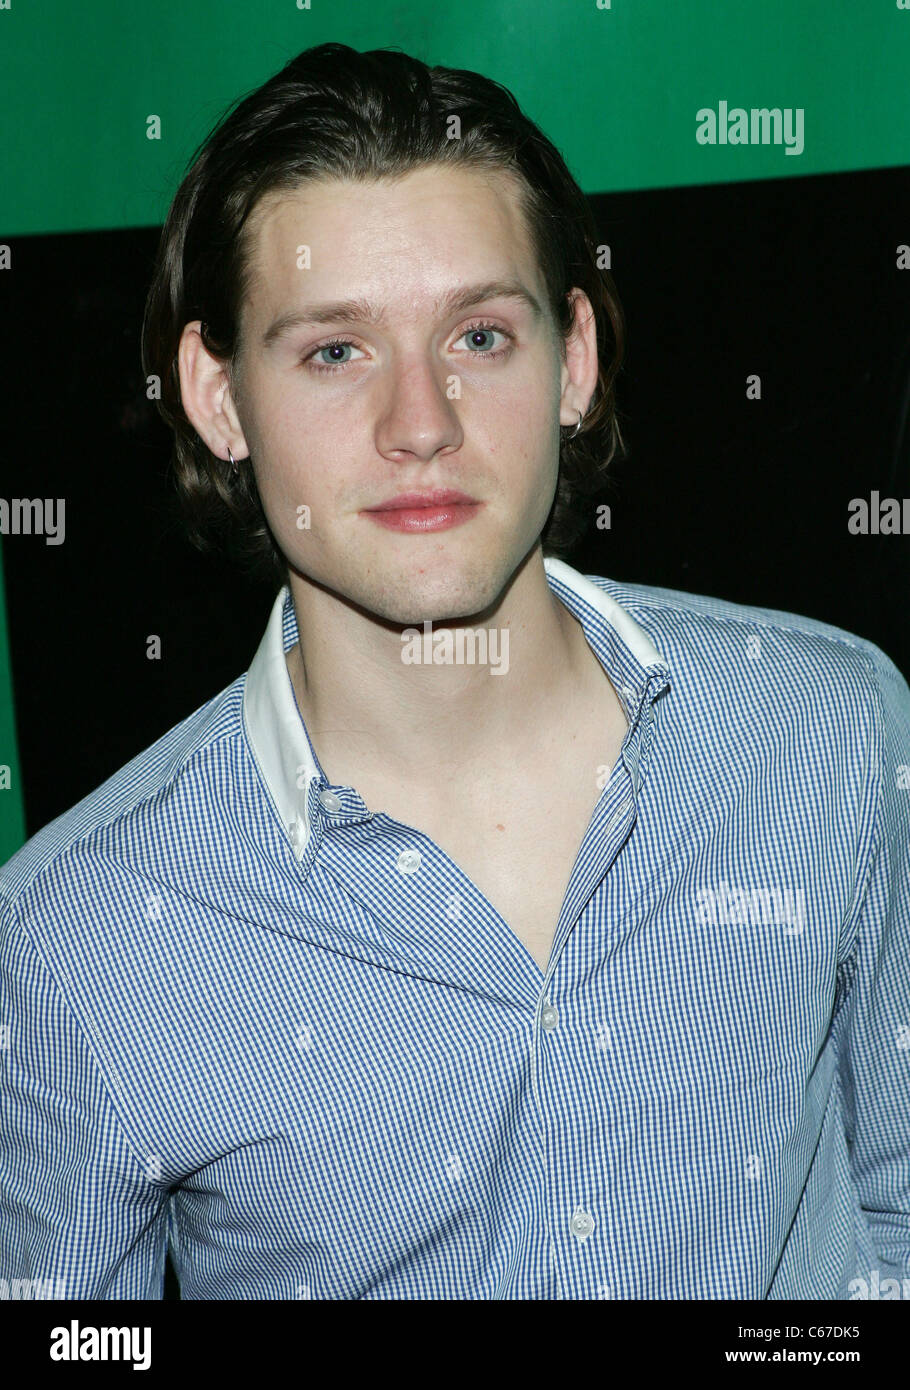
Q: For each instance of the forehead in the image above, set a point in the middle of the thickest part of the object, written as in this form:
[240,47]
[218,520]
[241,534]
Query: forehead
[405,241]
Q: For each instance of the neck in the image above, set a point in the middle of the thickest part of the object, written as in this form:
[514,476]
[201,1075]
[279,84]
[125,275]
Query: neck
[365,709]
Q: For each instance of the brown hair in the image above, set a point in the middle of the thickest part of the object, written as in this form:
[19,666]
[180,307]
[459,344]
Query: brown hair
[334,112]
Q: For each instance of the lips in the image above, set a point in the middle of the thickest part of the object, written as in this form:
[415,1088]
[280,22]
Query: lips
[413,501]
[438,509]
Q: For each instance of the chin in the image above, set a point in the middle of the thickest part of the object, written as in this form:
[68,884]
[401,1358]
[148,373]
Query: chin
[435,598]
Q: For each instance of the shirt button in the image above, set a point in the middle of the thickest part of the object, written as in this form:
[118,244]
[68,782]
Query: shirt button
[409,861]
[548,1016]
[329,801]
[582,1224]
[298,832]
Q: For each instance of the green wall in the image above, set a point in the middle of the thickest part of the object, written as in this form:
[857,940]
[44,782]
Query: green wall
[616,88]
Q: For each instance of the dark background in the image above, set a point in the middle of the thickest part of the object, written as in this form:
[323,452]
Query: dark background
[793,279]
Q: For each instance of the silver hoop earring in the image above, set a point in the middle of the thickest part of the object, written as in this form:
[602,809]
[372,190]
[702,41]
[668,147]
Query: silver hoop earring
[233,462]
[578,426]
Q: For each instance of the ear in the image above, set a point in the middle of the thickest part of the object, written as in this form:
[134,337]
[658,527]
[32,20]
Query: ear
[580,367]
[206,395]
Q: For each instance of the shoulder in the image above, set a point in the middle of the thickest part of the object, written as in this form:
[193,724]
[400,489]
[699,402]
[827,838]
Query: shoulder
[734,641]
[143,814]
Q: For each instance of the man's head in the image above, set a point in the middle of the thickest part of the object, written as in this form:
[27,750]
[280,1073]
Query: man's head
[370,177]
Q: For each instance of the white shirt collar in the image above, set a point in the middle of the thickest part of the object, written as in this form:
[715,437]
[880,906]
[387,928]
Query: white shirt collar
[276,731]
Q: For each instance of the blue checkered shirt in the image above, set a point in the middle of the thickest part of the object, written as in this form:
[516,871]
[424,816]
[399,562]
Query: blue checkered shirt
[245,1017]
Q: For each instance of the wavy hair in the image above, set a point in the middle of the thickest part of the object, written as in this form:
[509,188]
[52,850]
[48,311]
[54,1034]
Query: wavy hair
[335,112]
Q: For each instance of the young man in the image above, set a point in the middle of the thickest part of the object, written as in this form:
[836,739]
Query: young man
[503,932]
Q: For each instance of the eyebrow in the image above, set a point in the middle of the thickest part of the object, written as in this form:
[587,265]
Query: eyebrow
[362,311]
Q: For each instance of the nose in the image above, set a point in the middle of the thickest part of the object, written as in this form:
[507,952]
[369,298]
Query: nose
[418,417]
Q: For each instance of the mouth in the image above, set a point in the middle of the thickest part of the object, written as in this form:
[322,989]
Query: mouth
[434,510]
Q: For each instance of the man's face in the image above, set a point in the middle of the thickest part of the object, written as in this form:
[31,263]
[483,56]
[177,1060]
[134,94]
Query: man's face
[426,398]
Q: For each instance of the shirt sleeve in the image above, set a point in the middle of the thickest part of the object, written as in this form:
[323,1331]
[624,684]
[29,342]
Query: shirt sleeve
[873,1025]
[79,1216]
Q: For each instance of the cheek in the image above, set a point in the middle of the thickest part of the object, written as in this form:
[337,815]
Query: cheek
[288,438]
[519,411]
[530,431]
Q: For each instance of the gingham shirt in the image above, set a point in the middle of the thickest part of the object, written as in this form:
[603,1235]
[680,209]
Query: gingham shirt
[246,1016]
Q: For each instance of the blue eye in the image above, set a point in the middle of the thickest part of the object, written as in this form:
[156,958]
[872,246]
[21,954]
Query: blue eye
[475,330]
[474,333]
[335,347]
